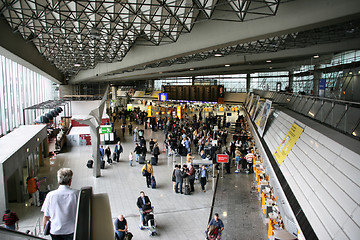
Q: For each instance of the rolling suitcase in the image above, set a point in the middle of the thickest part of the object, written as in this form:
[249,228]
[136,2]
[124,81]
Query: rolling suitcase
[90,163]
[142,159]
[102,164]
[153,182]
[187,190]
[153,161]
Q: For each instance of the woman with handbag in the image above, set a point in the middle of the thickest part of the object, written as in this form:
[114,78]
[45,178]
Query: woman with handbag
[147,172]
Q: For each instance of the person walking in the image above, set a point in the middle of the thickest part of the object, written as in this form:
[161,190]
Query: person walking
[60,207]
[118,150]
[123,126]
[143,202]
[135,134]
[131,157]
[156,152]
[147,172]
[216,226]
[138,151]
[33,190]
[102,153]
[203,177]
[108,154]
[151,144]
[11,220]
[121,227]
[130,127]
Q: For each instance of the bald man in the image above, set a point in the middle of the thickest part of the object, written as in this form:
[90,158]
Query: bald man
[121,227]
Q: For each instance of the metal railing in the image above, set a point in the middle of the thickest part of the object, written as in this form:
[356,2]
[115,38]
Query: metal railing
[344,116]
[13,235]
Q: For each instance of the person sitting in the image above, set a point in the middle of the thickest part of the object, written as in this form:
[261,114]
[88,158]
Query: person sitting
[202,154]
[216,226]
[121,227]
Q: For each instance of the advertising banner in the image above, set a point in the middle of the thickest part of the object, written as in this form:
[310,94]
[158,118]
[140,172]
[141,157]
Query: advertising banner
[288,143]
[262,117]
[222,158]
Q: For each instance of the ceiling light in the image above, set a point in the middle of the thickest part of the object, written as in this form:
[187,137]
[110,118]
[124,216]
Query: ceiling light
[350,72]
[218,55]
[77,65]
[270,67]
[268,61]
[191,69]
[227,65]
[316,56]
[354,133]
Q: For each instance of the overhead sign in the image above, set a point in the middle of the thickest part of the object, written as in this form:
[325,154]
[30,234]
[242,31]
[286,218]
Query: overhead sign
[288,143]
[163,97]
[222,158]
[106,129]
[129,107]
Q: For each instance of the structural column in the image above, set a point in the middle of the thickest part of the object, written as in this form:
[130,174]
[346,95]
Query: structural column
[248,82]
[316,80]
[95,142]
[291,80]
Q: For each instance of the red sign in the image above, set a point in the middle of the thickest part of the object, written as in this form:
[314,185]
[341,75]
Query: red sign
[222,158]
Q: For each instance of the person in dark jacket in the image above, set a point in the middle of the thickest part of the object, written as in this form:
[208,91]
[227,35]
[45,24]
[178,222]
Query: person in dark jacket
[151,144]
[137,151]
[191,177]
[143,202]
[156,152]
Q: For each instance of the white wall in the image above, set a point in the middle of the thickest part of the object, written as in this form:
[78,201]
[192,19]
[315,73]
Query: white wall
[85,107]
[324,176]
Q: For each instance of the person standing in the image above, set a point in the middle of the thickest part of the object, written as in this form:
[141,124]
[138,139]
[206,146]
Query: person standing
[11,220]
[118,150]
[178,180]
[191,177]
[121,227]
[203,177]
[149,172]
[151,144]
[135,134]
[131,157]
[60,207]
[33,190]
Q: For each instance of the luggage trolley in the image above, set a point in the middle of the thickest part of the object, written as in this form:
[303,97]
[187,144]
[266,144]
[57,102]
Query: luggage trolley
[149,221]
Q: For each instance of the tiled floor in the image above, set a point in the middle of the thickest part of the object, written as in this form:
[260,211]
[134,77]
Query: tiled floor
[177,216]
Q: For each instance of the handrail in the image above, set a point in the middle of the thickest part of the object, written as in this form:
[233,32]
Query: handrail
[16,235]
[83,216]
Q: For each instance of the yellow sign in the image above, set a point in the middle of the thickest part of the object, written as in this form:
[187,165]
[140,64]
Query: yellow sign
[149,111]
[178,112]
[221,109]
[288,143]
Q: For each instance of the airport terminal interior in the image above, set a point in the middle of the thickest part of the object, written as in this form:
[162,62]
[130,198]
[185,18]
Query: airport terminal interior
[245,109]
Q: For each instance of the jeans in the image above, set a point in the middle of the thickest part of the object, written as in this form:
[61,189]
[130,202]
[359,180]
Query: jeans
[177,187]
[120,235]
[135,138]
[62,237]
[12,227]
[137,157]
[131,162]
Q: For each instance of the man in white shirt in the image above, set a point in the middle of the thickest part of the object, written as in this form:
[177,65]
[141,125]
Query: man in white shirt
[60,207]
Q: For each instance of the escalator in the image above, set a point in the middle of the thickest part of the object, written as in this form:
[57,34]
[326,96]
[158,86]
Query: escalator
[93,219]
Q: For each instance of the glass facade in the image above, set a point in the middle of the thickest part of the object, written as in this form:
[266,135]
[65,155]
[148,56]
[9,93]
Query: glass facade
[20,88]
[269,81]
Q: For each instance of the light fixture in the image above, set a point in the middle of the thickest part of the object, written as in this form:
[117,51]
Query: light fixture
[218,55]
[77,65]
[268,61]
[224,214]
[227,65]
[38,139]
[270,67]
[354,133]
[350,72]
[191,69]
[27,150]
[316,56]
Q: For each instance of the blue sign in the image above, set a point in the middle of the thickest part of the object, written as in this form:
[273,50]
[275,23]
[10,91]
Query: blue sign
[322,84]
[163,97]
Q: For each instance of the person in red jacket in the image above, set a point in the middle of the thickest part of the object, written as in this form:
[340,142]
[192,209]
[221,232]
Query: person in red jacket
[11,219]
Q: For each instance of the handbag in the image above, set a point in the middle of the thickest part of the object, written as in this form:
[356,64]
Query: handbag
[144,173]
[128,236]
[47,228]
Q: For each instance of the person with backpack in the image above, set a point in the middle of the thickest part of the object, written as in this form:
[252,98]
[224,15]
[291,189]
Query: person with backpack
[147,172]
[118,150]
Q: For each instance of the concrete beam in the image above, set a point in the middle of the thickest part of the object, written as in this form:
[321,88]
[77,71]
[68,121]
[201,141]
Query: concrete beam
[291,17]
[239,63]
[14,43]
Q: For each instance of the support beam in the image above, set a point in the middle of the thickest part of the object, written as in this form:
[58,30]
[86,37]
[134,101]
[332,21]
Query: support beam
[14,43]
[291,17]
